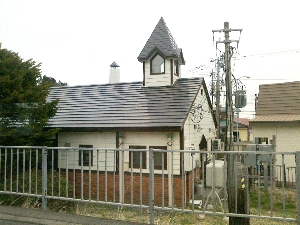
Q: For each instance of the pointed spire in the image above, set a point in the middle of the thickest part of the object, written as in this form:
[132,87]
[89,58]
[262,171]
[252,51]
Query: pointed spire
[114,64]
[161,39]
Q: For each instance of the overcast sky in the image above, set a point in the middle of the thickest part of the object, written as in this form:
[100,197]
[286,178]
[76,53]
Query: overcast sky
[76,41]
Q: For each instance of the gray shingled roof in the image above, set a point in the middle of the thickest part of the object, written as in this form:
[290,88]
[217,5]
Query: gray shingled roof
[278,103]
[280,98]
[123,105]
[161,39]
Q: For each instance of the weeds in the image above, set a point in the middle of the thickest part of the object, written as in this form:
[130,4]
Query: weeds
[31,182]
[260,204]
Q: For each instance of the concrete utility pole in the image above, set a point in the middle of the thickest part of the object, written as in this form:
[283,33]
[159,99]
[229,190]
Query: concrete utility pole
[219,61]
[229,128]
[215,90]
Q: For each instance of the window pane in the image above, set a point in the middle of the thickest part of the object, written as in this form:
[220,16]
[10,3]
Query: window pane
[160,158]
[136,157]
[176,67]
[87,156]
[158,64]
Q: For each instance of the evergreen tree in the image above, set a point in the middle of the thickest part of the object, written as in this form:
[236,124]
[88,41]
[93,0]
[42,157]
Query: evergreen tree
[53,82]
[24,110]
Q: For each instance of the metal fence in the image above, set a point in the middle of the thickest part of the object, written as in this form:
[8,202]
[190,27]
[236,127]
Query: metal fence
[266,183]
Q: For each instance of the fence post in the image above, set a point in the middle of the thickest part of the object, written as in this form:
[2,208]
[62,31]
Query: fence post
[44,177]
[298,184]
[151,185]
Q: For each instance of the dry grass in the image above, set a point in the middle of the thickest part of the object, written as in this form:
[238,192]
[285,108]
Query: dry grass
[142,216]
[166,218]
[169,218]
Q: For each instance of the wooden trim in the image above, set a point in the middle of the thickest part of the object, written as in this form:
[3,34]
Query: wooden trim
[117,152]
[120,129]
[117,139]
[209,102]
[181,140]
[181,148]
[177,68]
[171,64]
[144,75]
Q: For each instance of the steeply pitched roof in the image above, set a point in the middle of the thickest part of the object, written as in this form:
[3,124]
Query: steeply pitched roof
[281,98]
[162,40]
[124,105]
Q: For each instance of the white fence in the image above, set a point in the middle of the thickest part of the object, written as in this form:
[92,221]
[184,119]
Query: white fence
[151,182]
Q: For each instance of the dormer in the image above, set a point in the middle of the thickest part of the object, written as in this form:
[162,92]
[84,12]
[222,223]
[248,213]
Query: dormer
[161,57]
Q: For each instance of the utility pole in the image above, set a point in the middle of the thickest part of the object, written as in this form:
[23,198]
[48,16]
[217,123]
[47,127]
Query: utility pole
[229,128]
[219,60]
[215,90]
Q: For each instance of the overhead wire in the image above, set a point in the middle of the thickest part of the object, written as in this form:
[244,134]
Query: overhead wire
[268,54]
[252,56]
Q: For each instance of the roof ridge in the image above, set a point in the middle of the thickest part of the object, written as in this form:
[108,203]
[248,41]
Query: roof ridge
[95,85]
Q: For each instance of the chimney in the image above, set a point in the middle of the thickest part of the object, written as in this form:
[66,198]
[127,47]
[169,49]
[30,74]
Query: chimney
[114,75]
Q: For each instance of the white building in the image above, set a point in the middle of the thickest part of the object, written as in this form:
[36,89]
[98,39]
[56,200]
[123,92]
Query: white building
[164,111]
[278,114]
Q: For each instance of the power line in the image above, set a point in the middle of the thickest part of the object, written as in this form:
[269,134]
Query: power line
[207,65]
[269,79]
[267,54]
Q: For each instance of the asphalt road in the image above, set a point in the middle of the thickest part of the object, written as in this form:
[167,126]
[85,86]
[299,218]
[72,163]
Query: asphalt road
[15,216]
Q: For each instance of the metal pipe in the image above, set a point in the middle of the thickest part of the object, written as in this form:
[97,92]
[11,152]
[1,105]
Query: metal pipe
[44,177]
[151,185]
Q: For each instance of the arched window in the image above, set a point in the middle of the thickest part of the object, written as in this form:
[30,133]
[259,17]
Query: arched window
[157,65]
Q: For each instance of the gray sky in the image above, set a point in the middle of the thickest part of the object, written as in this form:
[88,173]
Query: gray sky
[76,41]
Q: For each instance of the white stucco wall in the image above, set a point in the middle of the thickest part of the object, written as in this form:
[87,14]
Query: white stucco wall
[108,140]
[97,139]
[153,139]
[158,79]
[287,139]
[193,130]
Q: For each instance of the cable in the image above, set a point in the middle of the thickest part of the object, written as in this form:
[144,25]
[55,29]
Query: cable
[268,54]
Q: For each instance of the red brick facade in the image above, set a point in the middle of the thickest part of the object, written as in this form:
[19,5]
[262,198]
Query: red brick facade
[112,187]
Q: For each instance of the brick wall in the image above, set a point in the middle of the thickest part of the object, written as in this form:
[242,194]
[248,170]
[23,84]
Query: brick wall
[132,190]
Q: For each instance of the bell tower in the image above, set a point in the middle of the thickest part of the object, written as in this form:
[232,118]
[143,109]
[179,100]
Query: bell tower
[161,57]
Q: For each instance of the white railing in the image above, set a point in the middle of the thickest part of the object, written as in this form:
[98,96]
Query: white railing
[125,178]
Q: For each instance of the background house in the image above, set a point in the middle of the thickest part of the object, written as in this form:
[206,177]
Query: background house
[241,130]
[164,111]
[278,113]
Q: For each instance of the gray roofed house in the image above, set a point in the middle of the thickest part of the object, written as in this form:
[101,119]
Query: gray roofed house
[278,113]
[124,105]
[278,102]
[162,111]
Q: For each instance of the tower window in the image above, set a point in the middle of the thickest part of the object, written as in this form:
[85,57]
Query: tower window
[157,65]
[176,68]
